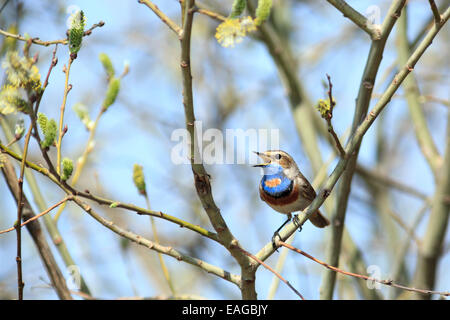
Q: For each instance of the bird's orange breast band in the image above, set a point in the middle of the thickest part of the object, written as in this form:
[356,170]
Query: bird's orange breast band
[272,182]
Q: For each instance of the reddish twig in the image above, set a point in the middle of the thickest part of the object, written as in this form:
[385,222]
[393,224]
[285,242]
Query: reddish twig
[39,215]
[360,276]
[330,115]
[271,270]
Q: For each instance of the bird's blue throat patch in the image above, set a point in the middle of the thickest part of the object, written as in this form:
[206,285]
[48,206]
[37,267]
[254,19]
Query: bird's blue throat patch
[274,182]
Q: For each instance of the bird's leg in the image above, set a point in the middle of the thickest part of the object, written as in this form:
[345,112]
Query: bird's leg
[276,232]
[297,223]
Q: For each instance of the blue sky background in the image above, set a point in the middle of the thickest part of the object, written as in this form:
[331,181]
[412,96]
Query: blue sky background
[137,129]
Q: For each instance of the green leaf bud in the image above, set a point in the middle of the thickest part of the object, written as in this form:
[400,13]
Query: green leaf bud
[323,106]
[48,128]
[139,179]
[67,168]
[237,8]
[107,64]
[76,31]
[19,129]
[263,11]
[111,93]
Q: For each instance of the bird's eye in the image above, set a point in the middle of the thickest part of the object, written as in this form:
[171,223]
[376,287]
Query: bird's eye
[278,156]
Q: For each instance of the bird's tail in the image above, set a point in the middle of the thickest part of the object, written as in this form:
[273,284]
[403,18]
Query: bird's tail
[319,220]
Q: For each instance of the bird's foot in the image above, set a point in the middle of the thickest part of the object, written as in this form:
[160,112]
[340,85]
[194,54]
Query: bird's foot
[296,221]
[274,245]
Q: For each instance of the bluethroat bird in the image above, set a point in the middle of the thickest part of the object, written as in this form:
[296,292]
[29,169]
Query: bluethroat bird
[284,188]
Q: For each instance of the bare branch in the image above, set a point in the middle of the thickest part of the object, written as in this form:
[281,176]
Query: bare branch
[357,18]
[360,276]
[171,24]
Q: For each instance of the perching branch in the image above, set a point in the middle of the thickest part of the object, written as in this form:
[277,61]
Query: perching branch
[300,103]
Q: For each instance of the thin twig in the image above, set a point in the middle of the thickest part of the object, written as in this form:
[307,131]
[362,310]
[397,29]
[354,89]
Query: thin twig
[273,271]
[4,5]
[38,215]
[83,159]
[404,226]
[209,13]
[330,116]
[170,23]
[48,43]
[33,115]
[360,276]
[434,8]
[357,18]
[164,268]
[67,88]
[383,179]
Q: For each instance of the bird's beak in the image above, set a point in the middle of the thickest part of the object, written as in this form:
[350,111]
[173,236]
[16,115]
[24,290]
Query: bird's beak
[263,156]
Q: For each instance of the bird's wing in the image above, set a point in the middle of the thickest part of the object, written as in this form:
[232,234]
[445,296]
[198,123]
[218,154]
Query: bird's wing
[306,188]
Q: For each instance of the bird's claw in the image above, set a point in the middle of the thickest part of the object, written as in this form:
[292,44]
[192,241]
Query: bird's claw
[274,245]
[297,223]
